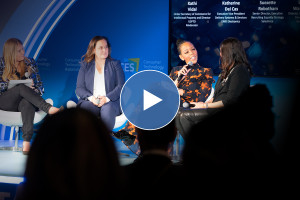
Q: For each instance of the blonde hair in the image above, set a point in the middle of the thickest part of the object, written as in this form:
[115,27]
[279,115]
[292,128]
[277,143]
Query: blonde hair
[90,55]
[9,55]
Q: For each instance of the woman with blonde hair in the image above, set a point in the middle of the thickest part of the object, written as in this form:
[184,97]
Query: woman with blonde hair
[99,82]
[20,98]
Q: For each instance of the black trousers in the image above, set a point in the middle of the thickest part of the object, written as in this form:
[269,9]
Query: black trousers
[23,99]
[187,118]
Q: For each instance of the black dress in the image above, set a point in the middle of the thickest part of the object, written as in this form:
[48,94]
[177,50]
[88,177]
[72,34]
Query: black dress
[230,89]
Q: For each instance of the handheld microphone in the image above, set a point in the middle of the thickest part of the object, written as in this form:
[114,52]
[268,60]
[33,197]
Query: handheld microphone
[187,105]
[187,67]
[190,64]
[27,74]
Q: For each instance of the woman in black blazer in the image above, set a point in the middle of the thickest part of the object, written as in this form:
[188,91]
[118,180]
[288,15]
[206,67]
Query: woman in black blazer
[233,81]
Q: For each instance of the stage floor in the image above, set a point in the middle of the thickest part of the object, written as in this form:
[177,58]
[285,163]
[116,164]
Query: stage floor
[12,166]
[12,163]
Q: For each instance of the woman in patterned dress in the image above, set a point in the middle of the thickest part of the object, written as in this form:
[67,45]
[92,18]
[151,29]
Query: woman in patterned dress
[194,82]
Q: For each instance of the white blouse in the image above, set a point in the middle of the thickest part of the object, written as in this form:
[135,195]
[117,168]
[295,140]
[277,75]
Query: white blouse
[99,85]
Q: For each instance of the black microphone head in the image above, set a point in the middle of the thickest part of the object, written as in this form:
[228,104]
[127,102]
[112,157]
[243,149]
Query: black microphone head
[192,105]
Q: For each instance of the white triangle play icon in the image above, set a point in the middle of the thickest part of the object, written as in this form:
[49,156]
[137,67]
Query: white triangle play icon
[150,100]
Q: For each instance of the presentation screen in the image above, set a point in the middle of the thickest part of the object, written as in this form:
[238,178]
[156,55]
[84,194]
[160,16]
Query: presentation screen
[269,31]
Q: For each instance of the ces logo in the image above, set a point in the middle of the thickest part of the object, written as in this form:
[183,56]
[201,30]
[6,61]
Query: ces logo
[131,65]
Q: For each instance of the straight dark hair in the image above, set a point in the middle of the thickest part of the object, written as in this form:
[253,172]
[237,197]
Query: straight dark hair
[232,54]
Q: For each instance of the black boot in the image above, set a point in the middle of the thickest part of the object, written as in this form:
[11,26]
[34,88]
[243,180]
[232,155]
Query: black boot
[125,137]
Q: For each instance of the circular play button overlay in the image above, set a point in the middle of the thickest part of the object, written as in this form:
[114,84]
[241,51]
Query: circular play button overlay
[149,99]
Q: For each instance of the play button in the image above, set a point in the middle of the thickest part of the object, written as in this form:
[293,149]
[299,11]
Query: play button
[149,99]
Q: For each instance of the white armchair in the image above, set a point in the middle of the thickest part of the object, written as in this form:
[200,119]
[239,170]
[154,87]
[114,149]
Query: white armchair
[14,120]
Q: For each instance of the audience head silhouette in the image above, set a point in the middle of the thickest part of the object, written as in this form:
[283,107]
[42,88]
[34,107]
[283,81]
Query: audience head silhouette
[258,104]
[234,144]
[157,139]
[73,157]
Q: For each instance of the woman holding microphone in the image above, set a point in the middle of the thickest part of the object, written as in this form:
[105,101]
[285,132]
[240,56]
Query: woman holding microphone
[194,82]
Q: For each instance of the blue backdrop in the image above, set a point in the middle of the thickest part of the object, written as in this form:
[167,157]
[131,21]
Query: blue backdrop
[137,30]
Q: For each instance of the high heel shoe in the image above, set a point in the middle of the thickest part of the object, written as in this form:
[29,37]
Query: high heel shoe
[26,148]
[61,108]
[52,112]
[124,136]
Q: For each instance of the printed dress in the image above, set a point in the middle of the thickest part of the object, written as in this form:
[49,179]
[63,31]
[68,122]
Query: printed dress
[196,84]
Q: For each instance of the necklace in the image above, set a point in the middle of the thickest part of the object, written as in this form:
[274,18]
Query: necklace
[224,80]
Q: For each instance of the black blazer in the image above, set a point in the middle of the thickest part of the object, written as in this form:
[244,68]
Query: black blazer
[238,81]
